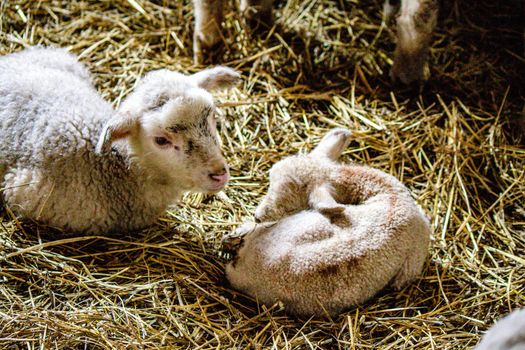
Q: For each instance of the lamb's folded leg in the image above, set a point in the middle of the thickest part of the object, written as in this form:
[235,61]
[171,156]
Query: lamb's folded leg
[2,174]
[321,199]
[207,34]
[416,255]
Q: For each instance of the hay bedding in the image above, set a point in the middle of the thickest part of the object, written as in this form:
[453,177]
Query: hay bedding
[456,147]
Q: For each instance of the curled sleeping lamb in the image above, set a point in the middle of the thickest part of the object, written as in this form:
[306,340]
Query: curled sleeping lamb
[330,235]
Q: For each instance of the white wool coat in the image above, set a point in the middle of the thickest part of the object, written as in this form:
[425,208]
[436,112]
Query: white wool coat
[51,118]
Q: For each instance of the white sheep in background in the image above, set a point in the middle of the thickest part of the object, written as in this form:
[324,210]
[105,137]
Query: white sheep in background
[507,334]
[416,21]
[331,235]
[67,159]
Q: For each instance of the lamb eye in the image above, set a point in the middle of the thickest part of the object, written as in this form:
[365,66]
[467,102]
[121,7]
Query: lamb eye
[162,141]
[161,101]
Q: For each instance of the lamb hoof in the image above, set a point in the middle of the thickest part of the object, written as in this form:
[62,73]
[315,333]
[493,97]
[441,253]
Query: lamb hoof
[339,138]
[409,75]
[342,133]
[262,213]
[231,243]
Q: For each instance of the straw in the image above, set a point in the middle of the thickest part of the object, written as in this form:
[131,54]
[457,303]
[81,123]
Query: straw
[457,146]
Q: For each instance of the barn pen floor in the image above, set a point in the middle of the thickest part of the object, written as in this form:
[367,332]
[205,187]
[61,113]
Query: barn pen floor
[457,146]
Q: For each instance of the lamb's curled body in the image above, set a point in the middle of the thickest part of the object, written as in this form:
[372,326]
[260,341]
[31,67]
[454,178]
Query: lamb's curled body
[332,235]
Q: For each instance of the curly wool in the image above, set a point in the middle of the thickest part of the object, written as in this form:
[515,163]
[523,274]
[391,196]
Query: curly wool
[70,186]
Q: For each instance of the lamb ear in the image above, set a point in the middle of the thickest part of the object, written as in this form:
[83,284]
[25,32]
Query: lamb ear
[119,126]
[333,144]
[217,78]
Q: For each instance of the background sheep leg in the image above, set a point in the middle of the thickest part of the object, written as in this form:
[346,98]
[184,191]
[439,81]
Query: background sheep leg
[2,174]
[415,23]
[207,34]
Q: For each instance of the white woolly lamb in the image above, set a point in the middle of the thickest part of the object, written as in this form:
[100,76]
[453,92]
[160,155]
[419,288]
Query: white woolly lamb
[67,159]
[332,235]
[507,334]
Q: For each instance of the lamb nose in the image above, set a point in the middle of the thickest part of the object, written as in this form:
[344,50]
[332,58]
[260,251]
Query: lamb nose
[222,171]
[220,176]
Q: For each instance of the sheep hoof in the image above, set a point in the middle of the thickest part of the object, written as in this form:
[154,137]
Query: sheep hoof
[231,243]
[261,214]
[340,132]
[410,74]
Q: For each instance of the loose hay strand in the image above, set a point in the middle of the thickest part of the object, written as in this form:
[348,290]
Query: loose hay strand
[323,65]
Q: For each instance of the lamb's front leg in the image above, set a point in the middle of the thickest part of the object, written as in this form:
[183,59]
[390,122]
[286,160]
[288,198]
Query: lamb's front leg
[207,34]
[415,24]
